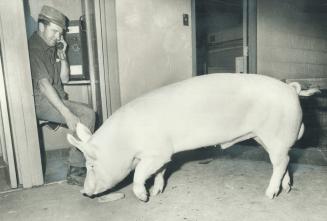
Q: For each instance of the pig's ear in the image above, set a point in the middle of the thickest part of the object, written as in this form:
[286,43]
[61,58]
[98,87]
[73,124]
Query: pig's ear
[81,146]
[83,132]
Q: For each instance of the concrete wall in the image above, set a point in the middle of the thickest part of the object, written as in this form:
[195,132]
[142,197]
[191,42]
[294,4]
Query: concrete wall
[154,47]
[292,42]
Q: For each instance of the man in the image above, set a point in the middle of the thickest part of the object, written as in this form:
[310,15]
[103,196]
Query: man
[50,69]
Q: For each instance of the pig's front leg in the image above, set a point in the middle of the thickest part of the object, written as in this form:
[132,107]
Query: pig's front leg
[144,169]
[159,183]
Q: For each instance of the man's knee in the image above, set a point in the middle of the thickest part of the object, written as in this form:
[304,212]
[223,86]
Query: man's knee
[89,118]
[86,114]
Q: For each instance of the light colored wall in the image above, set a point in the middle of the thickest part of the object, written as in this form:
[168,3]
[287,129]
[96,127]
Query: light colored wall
[291,43]
[154,47]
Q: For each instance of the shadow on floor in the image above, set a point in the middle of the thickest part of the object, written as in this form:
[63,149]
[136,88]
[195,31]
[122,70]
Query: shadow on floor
[249,150]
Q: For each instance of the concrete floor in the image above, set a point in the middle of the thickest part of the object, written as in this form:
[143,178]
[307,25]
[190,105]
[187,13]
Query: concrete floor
[198,188]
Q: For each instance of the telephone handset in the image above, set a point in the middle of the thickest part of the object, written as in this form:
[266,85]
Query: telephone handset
[60,45]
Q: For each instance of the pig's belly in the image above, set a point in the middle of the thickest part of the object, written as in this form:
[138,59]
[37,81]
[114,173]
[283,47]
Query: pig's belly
[194,133]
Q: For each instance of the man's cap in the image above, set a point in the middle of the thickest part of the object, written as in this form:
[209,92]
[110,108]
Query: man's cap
[54,16]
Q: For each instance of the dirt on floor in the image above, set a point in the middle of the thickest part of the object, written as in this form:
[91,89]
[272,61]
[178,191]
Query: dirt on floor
[197,190]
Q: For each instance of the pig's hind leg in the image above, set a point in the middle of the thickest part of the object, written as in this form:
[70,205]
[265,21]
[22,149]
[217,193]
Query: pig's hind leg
[159,183]
[286,183]
[144,169]
[279,162]
[278,154]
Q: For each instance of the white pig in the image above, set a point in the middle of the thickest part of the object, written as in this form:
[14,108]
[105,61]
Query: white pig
[201,111]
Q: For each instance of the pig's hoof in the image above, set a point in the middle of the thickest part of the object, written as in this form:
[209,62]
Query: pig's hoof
[143,197]
[157,187]
[286,183]
[156,190]
[287,187]
[271,193]
[140,192]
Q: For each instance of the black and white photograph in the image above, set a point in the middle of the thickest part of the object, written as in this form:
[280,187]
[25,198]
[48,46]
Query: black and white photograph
[163,110]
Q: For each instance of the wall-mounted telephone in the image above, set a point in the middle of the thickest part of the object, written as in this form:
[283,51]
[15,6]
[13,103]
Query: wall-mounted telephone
[77,50]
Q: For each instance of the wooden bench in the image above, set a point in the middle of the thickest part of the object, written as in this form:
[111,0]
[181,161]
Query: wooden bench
[54,126]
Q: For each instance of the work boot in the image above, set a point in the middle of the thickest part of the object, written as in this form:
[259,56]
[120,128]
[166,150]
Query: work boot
[76,175]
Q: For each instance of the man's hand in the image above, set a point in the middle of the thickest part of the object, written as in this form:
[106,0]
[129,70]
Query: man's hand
[71,120]
[61,51]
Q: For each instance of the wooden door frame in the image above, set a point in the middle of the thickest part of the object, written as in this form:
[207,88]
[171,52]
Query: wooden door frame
[20,92]
[250,36]
[19,88]
[107,51]
[5,134]
[193,23]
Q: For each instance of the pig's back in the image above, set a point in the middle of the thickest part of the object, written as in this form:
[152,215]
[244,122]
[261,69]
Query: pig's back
[215,89]
[187,112]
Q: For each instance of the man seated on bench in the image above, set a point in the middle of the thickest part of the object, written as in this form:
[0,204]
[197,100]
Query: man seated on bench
[50,69]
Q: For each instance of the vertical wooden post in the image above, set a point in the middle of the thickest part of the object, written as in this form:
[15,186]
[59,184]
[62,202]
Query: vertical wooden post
[193,25]
[245,37]
[105,11]
[5,134]
[18,83]
[252,33]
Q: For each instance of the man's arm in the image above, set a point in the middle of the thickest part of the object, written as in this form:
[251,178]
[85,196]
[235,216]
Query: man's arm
[50,93]
[64,71]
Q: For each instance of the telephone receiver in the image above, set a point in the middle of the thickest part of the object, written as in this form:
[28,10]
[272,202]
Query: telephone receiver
[60,45]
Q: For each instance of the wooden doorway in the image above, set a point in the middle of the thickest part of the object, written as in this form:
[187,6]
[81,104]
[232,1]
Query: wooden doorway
[19,96]
[225,36]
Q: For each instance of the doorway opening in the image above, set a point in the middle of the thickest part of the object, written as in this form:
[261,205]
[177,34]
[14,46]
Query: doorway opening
[83,84]
[222,36]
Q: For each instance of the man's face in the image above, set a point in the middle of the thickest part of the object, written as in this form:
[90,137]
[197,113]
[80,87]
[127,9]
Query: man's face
[51,33]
